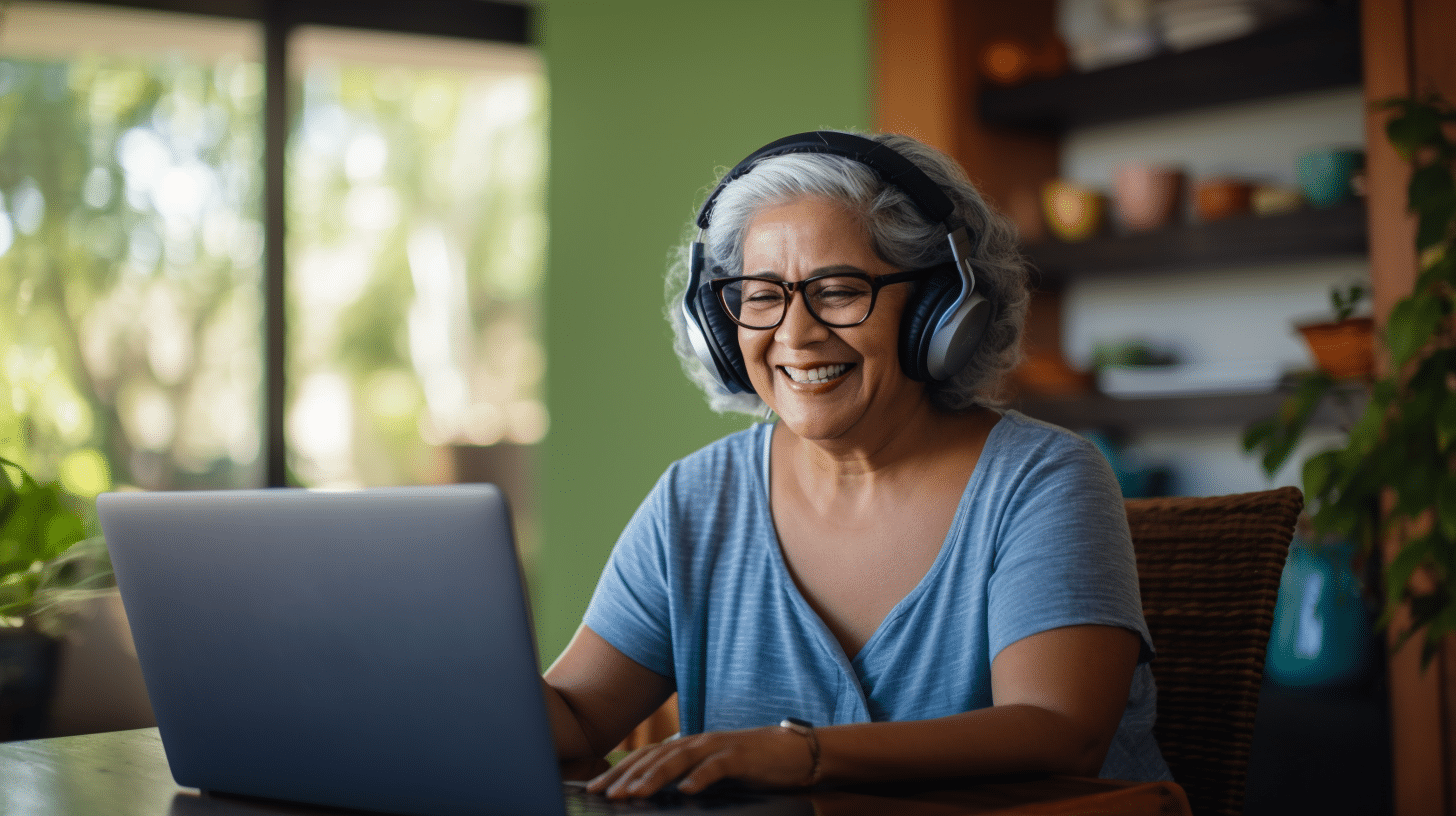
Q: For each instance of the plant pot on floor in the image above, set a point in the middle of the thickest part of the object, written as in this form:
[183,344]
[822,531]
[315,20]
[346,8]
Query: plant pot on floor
[28,662]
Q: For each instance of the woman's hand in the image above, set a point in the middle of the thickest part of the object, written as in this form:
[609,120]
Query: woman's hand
[771,757]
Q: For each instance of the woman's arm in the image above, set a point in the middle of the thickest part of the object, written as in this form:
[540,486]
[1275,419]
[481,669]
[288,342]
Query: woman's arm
[595,696]
[1058,698]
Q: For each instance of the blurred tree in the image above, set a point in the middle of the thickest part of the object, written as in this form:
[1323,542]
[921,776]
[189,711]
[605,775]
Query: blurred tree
[416,243]
[129,248]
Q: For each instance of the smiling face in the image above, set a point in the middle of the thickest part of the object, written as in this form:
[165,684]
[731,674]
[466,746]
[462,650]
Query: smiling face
[825,383]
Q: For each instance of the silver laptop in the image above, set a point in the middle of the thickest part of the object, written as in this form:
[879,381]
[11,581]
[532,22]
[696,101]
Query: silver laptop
[365,649]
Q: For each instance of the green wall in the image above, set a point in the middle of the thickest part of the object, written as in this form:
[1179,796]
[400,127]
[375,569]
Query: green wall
[648,98]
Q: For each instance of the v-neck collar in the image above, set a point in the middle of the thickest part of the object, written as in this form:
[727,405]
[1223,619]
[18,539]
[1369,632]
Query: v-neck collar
[853,666]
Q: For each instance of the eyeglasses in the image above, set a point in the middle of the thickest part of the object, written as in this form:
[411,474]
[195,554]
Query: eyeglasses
[839,300]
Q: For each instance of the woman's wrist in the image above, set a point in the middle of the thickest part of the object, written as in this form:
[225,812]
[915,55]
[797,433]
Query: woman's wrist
[806,730]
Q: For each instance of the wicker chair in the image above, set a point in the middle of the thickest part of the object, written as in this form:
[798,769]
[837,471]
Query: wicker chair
[1209,570]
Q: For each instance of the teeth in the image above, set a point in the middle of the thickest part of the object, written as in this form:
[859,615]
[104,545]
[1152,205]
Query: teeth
[822,374]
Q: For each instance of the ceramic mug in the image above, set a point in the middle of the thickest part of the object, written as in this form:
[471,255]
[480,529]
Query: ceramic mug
[1148,196]
[1072,211]
[1326,174]
[1273,199]
[1217,198]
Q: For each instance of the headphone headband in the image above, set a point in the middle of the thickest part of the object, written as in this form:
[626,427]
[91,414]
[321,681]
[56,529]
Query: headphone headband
[892,168]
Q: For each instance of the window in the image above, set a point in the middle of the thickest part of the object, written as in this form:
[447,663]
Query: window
[416,240]
[133,227]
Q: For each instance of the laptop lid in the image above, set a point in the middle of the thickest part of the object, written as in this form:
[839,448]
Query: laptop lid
[367,649]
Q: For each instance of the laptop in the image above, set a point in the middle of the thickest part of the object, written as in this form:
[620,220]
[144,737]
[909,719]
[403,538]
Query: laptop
[367,649]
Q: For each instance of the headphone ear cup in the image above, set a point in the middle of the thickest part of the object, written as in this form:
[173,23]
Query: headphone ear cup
[721,334]
[918,322]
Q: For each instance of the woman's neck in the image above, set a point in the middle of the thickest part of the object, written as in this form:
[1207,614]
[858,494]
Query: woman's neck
[899,450]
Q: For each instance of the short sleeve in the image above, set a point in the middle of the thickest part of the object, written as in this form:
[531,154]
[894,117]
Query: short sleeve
[1064,556]
[631,607]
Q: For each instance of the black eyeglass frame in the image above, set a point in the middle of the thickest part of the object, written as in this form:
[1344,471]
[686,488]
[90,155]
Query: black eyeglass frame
[876,283]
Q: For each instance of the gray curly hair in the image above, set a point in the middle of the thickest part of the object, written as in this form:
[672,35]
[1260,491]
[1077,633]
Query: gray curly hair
[901,236]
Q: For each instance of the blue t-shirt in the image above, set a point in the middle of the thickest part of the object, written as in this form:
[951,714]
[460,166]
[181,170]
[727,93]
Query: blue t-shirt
[697,590]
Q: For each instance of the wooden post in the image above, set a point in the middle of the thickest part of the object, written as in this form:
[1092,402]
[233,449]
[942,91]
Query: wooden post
[1407,52]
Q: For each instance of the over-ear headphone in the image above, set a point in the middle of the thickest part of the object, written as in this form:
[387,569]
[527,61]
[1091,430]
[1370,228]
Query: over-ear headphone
[942,323]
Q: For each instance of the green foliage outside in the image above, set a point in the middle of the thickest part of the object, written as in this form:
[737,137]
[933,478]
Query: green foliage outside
[1396,474]
[416,240]
[129,268]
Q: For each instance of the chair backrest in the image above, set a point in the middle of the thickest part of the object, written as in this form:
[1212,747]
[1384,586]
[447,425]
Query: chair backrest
[1209,570]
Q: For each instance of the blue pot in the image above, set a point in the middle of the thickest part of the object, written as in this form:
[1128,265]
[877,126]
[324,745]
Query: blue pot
[1322,629]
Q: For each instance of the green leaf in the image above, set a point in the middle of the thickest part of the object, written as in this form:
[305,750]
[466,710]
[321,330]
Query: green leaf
[1446,507]
[1257,433]
[1434,221]
[1416,490]
[1319,472]
[1411,324]
[1446,424]
[62,530]
[1365,434]
[1413,129]
[1398,573]
[1345,300]
[1384,392]
[1441,269]
[1279,435]
[1432,183]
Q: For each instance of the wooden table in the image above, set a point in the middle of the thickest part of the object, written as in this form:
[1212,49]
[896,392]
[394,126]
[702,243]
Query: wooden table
[125,773]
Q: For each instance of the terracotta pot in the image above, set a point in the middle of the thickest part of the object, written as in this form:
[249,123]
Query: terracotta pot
[1072,211]
[1342,350]
[1148,195]
[1218,198]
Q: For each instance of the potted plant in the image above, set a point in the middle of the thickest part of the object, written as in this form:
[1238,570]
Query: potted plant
[1394,478]
[46,558]
[1342,346]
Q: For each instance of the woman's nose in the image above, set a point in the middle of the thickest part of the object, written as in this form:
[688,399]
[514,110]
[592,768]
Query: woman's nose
[799,326]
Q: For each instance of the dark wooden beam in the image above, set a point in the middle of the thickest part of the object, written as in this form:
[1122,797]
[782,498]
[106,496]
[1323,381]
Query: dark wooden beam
[487,20]
[1311,52]
[1237,241]
[275,324]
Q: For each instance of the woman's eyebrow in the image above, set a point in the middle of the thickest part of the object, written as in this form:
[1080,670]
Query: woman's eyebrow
[835,269]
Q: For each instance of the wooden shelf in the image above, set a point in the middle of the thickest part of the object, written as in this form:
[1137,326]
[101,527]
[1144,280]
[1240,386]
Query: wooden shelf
[1311,52]
[1240,241]
[1316,51]
[1101,412]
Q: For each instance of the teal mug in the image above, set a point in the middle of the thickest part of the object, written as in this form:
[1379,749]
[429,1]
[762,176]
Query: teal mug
[1327,175]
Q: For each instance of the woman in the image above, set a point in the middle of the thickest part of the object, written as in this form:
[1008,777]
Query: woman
[895,579]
